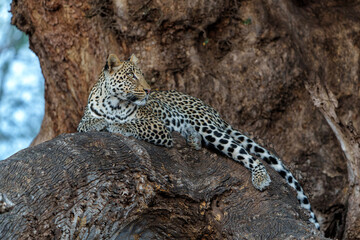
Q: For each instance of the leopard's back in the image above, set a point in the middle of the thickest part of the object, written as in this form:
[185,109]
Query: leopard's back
[191,108]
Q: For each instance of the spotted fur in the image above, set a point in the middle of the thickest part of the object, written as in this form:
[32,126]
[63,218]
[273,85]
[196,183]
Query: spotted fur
[121,102]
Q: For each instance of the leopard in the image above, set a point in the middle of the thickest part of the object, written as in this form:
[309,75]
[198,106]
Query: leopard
[122,102]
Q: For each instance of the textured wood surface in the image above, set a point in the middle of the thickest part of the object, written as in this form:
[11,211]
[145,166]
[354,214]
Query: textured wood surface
[104,186]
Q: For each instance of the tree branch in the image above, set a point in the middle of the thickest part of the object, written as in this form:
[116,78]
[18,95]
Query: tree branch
[100,186]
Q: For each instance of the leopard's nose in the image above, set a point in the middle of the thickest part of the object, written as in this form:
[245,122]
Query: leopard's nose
[147,91]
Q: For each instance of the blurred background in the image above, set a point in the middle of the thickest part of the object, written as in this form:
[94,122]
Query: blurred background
[21,88]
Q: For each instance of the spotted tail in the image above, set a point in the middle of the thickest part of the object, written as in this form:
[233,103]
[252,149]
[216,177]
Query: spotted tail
[278,166]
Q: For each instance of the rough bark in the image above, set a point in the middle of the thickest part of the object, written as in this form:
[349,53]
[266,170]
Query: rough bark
[103,186]
[283,70]
[333,79]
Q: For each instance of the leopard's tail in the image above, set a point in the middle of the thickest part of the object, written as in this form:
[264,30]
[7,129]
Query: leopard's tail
[255,149]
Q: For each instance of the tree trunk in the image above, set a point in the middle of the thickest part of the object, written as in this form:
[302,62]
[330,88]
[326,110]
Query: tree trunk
[331,58]
[287,71]
[103,186]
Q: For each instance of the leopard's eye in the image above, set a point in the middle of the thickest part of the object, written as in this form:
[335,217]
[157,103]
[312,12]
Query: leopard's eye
[133,76]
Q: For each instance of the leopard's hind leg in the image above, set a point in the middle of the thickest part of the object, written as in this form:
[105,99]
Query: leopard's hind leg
[223,142]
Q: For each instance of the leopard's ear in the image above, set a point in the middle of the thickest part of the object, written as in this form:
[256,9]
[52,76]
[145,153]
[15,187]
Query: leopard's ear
[133,59]
[112,62]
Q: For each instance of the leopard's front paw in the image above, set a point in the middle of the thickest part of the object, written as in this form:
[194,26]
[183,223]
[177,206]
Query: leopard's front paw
[116,128]
[260,178]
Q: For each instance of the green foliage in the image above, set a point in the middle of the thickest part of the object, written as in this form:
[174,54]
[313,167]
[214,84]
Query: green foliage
[247,21]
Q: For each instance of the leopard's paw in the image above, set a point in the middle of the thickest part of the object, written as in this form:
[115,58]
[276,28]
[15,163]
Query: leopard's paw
[260,178]
[193,138]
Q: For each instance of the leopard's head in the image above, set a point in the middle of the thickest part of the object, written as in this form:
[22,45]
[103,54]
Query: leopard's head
[125,80]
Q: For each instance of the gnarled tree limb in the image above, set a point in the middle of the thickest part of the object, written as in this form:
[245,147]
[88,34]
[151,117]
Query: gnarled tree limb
[104,186]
